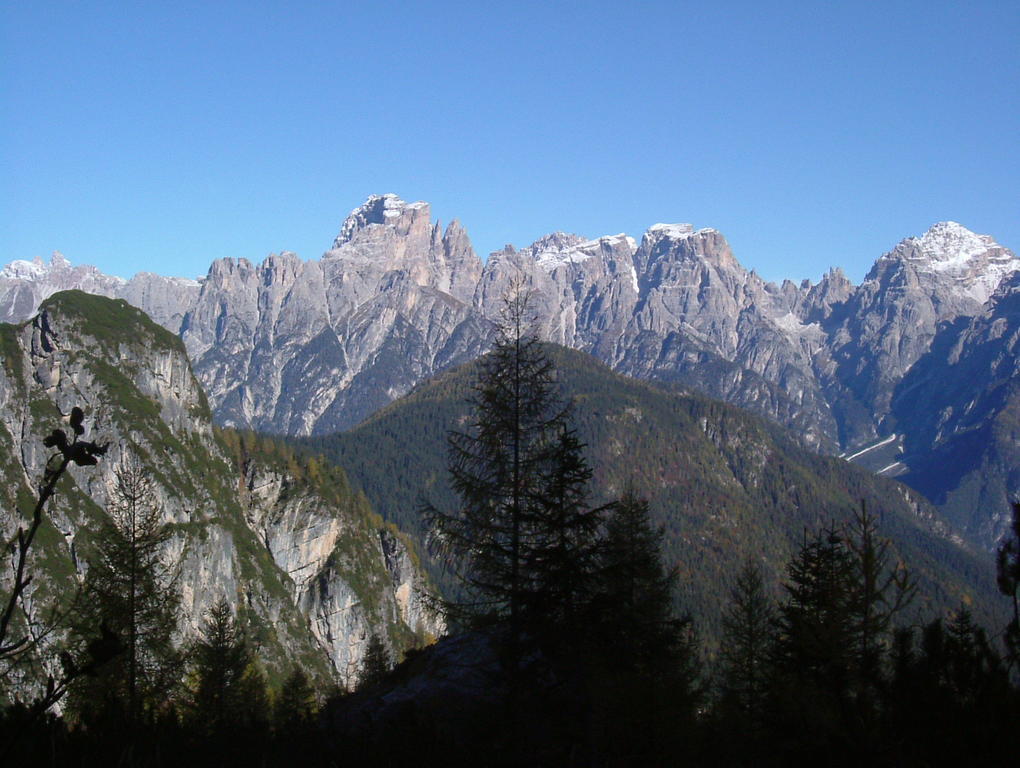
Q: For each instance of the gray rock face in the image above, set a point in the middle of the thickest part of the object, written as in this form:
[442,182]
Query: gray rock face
[305,347]
[25,284]
[891,319]
[705,321]
[257,534]
[311,347]
[962,441]
[320,550]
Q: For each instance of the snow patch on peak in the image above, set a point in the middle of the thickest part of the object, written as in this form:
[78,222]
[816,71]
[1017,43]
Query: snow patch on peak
[795,329]
[559,248]
[377,209]
[549,260]
[20,269]
[672,230]
[556,241]
[677,231]
[611,240]
[35,269]
[974,264]
[947,244]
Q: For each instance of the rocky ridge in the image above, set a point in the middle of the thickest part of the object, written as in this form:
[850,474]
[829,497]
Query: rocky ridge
[298,553]
[310,347]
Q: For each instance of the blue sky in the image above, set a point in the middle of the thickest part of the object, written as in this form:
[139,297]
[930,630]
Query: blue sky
[160,136]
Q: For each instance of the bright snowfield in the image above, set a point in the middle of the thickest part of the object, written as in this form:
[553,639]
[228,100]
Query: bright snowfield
[976,261]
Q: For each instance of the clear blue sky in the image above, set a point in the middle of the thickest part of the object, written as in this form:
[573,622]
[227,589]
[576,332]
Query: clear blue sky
[163,135]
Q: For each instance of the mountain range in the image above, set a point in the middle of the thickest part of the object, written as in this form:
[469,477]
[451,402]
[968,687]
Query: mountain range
[313,347]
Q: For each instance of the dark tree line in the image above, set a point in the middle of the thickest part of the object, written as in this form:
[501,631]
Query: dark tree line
[827,674]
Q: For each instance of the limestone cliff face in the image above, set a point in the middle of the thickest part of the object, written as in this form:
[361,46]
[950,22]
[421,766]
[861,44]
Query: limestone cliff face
[349,579]
[891,319]
[271,538]
[310,347]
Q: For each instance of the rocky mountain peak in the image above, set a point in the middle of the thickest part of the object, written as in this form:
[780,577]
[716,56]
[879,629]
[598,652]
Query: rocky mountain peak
[683,243]
[556,241]
[386,210]
[555,249]
[21,269]
[969,265]
[946,241]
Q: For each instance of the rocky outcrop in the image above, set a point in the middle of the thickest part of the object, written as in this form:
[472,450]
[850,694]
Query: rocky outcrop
[273,540]
[891,319]
[311,347]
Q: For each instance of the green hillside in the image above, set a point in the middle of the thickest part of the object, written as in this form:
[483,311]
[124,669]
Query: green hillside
[725,485]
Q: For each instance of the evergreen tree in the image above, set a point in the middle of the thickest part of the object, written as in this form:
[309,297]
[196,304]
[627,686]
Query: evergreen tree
[879,593]
[509,469]
[809,690]
[815,623]
[951,702]
[747,639]
[296,704]
[227,689]
[650,656]
[636,590]
[563,554]
[256,708]
[834,634]
[375,665]
[128,593]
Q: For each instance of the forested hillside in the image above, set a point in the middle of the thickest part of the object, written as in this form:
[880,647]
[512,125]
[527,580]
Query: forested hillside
[725,485]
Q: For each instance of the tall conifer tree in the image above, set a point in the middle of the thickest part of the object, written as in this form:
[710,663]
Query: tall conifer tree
[520,476]
[747,625]
[228,690]
[129,592]
[1007,563]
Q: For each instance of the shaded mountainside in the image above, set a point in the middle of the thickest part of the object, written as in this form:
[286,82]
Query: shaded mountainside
[295,551]
[726,485]
[962,443]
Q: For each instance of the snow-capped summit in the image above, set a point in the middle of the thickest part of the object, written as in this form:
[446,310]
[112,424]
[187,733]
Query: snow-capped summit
[23,270]
[974,264]
[947,243]
[377,209]
[672,230]
[36,269]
